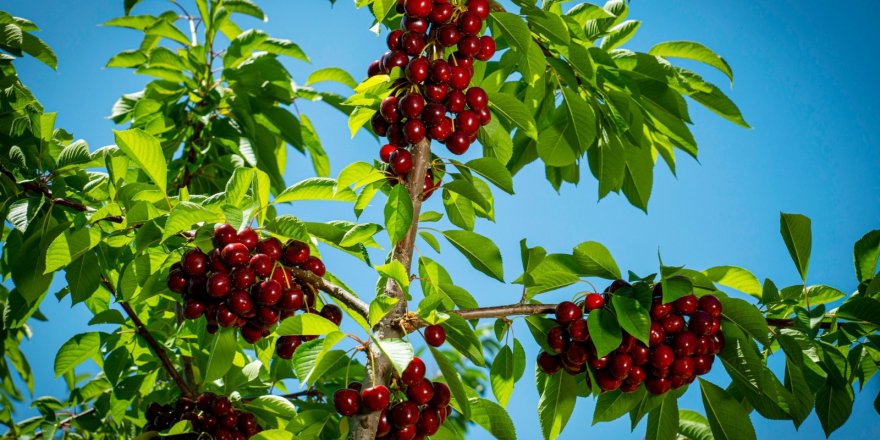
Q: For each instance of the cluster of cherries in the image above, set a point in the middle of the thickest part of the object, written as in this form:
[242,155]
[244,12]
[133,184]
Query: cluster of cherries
[246,282]
[433,99]
[209,414]
[684,339]
[419,415]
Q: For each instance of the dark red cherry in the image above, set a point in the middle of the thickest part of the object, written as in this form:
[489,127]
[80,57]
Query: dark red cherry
[578,330]
[700,323]
[262,265]
[393,39]
[401,161]
[441,13]
[441,395]
[567,312]
[435,335]
[458,142]
[662,356]
[477,98]
[194,262]
[412,43]
[684,344]
[243,277]
[468,122]
[249,238]
[549,363]
[594,301]
[711,305]
[193,309]
[235,254]
[379,124]
[376,398]
[295,253]
[291,299]
[619,365]
[487,48]
[558,339]
[657,335]
[420,392]
[673,324]
[440,71]
[219,285]
[436,92]
[639,354]
[637,375]
[441,131]
[385,152]
[469,45]
[686,304]
[224,234]
[240,302]
[347,402]
[413,372]
[414,24]
[460,77]
[606,381]
[268,293]
[226,317]
[417,70]
[469,23]
[405,414]
[656,385]
[332,313]
[660,311]
[485,116]
[315,266]
[577,354]
[221,406]
[683,366]
[389,110]
[479,7]
[433,114]
[375,68]
[703,363]
[176,281]
[384,427]
[418,8]
[414,131]
[448,35]
[455,101]
[271,247]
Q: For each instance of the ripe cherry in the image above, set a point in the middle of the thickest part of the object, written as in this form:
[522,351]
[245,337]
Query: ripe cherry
[673,324]
[218,285]
[594,301]
[636,375]
[557,339]
[571,367]
[577,354]
[224,234]
[440,72]
[347,402]
[268,293]
[469,45]
[315,266]
[194,262]
[388,109]
[405,414]
[441,13]
[262,265]
[441,131]
[385,152]
[271,247]
[468,122]
[567,312]
[384,427]
[436,92]
[221,406]
[479,7]
[417,70]
[700,323]
[686,304]
[485,116]
[435,335]
[243,277]
[401,161]
[414,131]
[291,299]
[375,68]
[469,23]
[460,77]
[412,43]
[711,305]
[656,385]
[176,281]
[606,381]
[376,398]
[418,8]
[683,366]
[193,309]
[429,422]
[639,354]
[448,35]
[477,98]
[226,317]
[487,48]
[684,344]
[287,345]
[420,392]
[619,365]
[441,395]
[414,372]
[662,356]
[249,238]
[703,363]
[430,185]
[578,330]
[393,39]
[332,313]
[458,142]
[660,311]
[414,24]
[379,124]
[235,254]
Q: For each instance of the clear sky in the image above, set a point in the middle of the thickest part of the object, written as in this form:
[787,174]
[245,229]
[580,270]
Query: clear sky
[803,80]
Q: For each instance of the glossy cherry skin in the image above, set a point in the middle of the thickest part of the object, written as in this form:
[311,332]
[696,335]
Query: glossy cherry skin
[414,372]
[287,345]
[347,402]
[332,313]
[460,78]
[436,92]
[487,48]
[662,356]
[683,366]
[637,375]
[226,317]
[194,262]
[375,68]
[684,344]
[660,311]
[448,35]
[479,7]
[389,109]
[711,305]
[376,398]
[268,293]
[193,309]
[412,43]
[469,45]
[626,344]
[606,381]
[657,334]
[441,13]
[435,335]
[579,331]
[262,265]
[485,115]
[440,72]
[703,363]
[639,354]
[418,8]
[271,247]
[385,152]
[598,362]
[405,414]
[673,324]
[656,385]
[221,406]
[700,323]
[249,238]
[401,161]
[418,69]
[594,301]
[429,422]
[558,339]
[176,281]
[619,365]
[616,285]
[224,234]
[441,395]
[235,254]
[420,392]
[456,101]
[468,121]
[686,304]
[549,363]
[458,142]
[384,427]
[379,124]
[477,98]
[315,266]
[577,355]
[291,299]
[568,312]
[393,39]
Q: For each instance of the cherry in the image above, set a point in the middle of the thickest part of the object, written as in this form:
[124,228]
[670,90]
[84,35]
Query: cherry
[414,24]
[606,381]
[686,304]
[468,122]
[716,326]
[485,115]
[406,433]
[711,305]
[455,101]
[433,114]
[269,316]
[315,266]
[460,77]
[436,92]
[414,372]
[429,186]
[578,330]
[683,366]
[291,299]
[332,313]
[620,365]
[703,363]
[385,152]
[469,23]
[388,109]
[429,422]
[598,362]
[235,254]
[221,406]
[441,13]
[626,344]
[660,311]
[440,71]
[405,414]
[394,59]
[594,301]
[684,344]
[700,323]
[412,43]
[226,317]
[205,400]
[268,293]
[662,356]
[479,7]
[194,262]
[448,35]
[639,354]
[567,312]
[418,8]
[376,398]
[673,324]
[718,338]
[420,392]
[224,234]
[401,161]
[417,70]
[435,335]
[657,385]
[262,265]
[637,375]
[477,98]
[414,131]
[287,345]
[347,402]
[617,285]
[218,285]
[193,309]
[458,142]
[557,339]
[229,420]
[393,39]
[577,355]
[375,68]
[296,253]
[176,281]
[441,395]
[379,124]
[487,48]
[384,427]
[249,238]
[270,247]
[441,131]
[570,367]
[243,277]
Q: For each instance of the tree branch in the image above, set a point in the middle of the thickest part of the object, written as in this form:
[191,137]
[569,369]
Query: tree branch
[41,189]
[292,396]
[66,422]
[346,297]
[151,341]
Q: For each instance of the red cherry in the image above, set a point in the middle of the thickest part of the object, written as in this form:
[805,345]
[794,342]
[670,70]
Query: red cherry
[315,266]
[440,72]
[606,381]
[243,277]
[224,234]
[458,142]
[479,7]
[662,356]
[218,285]
[686,305]
[332,313]
[557,339]
[656,385]
[271,247]
[441,395]
[385,152]
[460,77]
[376,398]
[684,344]
[420,392]
[412,44]
[247,424]
[414,24]
[249,238]
[388,109]
[468,122]
[487,48]
[384,427]
[405,414]
[700,323]
[673,324]
[718,338]
[379,124]
[393,39]
[225,317]
[414,131]
[683,366]
[429,422]
[616,285]
[194,262]
[485,116]
[429,186]
[579,331]
[394,59]
[639,354]
[433,114]
[401,161]
[448,35]
[193,309]
[441,13]
[711,305]
[418,8]
[295,253]
[660,311]
[268,293]
[657,335]
[568,312]
[375,68]
[441,131]
[221,406]
[262,265]
[436,92]
[620,365]
[636,375]
[235,254]
[477,98]
[594,301]
[176,281]
[417,70]
[469,23]
[413,372]
[455,101]
[347,402]
[577,354]
[435,335]
[703,363]
[291,299]
[240,303]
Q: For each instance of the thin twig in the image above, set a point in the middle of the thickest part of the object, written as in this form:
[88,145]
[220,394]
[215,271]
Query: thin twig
[347,298]
[67,421]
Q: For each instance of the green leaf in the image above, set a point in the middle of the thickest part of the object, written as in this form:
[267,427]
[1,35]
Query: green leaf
[333,74]
[833,405]
[663,420]
[693,425]
[502,374]
[146,151]
[554,143]
[314,358]
[359,234]
[494,171]
[380,307]
[866,252]
[186,214]
[727,418]
[620,34]
[431,240]
[858,308]
[604,331]
[481,252]
[77,153]
[595,260]
[220,355]
[398,213]
[396,272]
[462,337]
[796,233]
[515,112]
[163,28]
[316,188]
[736,278]
[306,324]
[747,317]
[453,379]
[633,317]
[76,350]
[612,405]
[692,51]
[491,417]
[459,210]
[556,404]
[496,141]
[582,118]
[469,190]
[38,49]
[69,246]
[398,351]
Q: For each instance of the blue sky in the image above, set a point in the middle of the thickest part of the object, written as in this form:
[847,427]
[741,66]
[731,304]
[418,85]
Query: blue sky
[803,81]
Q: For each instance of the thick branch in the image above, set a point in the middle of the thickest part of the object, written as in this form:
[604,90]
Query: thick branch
[153,343]
[347,298]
